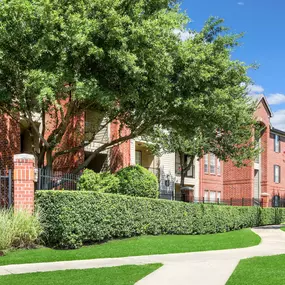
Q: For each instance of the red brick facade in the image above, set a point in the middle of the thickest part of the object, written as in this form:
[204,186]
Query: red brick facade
[211,181]
[240,182]
[120,155]
[229,182]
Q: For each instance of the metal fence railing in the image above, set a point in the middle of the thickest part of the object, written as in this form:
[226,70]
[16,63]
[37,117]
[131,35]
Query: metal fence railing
[6,193]
[56,180]
[202,200]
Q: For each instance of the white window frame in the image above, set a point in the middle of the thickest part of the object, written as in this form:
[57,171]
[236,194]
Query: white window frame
[219,196]
[212,196]
[276,143]
[212,163]
[206,195]
[277,172]
[206,163]
[191,172]
[136,160]
[218,166]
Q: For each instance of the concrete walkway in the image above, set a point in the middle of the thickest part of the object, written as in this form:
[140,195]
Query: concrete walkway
[200,268]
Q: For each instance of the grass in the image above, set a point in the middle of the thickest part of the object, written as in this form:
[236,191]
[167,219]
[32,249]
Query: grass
[267,270]
[122,275]
[144,245]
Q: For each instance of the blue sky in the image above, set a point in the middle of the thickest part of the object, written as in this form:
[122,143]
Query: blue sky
[263,23]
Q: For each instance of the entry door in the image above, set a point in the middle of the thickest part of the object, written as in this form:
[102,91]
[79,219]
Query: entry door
[256,184]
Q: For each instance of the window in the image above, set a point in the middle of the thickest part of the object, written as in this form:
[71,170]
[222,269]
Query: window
[212,163]
[138,157]
[276,143]
[190,172]
[218,167]
[212,196]
[219,196]
[276,173]
[206,163]
[206,195]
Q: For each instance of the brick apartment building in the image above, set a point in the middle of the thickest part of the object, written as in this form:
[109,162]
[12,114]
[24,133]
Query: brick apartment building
[212,179]
[209,178]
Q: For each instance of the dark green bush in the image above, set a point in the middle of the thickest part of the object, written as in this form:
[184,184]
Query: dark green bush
[73,218]
[99,182]
[137,181]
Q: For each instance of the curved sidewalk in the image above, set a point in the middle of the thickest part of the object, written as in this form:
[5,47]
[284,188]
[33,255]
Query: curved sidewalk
[198,268]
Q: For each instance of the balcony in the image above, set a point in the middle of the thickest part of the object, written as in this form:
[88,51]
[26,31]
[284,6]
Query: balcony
[145,158]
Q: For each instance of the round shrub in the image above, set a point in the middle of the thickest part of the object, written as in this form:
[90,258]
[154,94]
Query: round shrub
[137,181]
[99,182]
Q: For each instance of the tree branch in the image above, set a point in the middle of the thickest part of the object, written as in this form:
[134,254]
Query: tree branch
[101,148]
[37,131]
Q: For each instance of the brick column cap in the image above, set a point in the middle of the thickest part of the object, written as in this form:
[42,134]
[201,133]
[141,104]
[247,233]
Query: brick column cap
[265,194]
[24,156]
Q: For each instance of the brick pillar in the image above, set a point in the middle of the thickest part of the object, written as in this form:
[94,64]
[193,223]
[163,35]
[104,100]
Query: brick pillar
[24,182]
[265,200]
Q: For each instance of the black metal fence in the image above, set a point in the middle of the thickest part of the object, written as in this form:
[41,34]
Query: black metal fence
[56,180]
[168,195]
[6,193]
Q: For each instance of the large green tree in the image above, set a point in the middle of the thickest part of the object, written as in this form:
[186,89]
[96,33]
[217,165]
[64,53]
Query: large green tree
[212,111]
[122,60]
[60,58]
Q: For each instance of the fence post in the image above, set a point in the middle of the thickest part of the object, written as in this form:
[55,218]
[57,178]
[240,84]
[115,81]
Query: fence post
[265,200]
[242,201]
[24,187]
[10,187]
[231,201]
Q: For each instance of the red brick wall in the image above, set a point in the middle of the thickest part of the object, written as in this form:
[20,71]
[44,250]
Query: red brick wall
[120,155]
[238,182]
[24,182]
[73,136]
[275,158]
[210,182]
[9,141]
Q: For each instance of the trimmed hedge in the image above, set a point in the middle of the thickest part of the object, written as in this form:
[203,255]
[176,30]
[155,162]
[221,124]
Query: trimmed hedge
[71,219]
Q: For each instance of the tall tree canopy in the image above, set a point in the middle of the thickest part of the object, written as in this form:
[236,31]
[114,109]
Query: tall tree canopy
[120,59]
[216,114]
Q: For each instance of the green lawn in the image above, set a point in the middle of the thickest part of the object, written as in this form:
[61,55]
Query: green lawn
[144,245]
[267,270]
[122,275]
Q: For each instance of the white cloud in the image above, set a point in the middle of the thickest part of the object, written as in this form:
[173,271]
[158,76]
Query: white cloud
[184,35]
[275,99]
[255,91]
[278,120]
[240,3]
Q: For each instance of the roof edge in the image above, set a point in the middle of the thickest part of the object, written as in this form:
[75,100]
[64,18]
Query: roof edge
[262,97]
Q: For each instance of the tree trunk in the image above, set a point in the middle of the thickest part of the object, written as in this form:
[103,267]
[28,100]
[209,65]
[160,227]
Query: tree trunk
[182,180]
[49,159]
[184,168]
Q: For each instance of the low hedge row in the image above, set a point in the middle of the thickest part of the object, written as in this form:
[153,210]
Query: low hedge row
[71,218]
